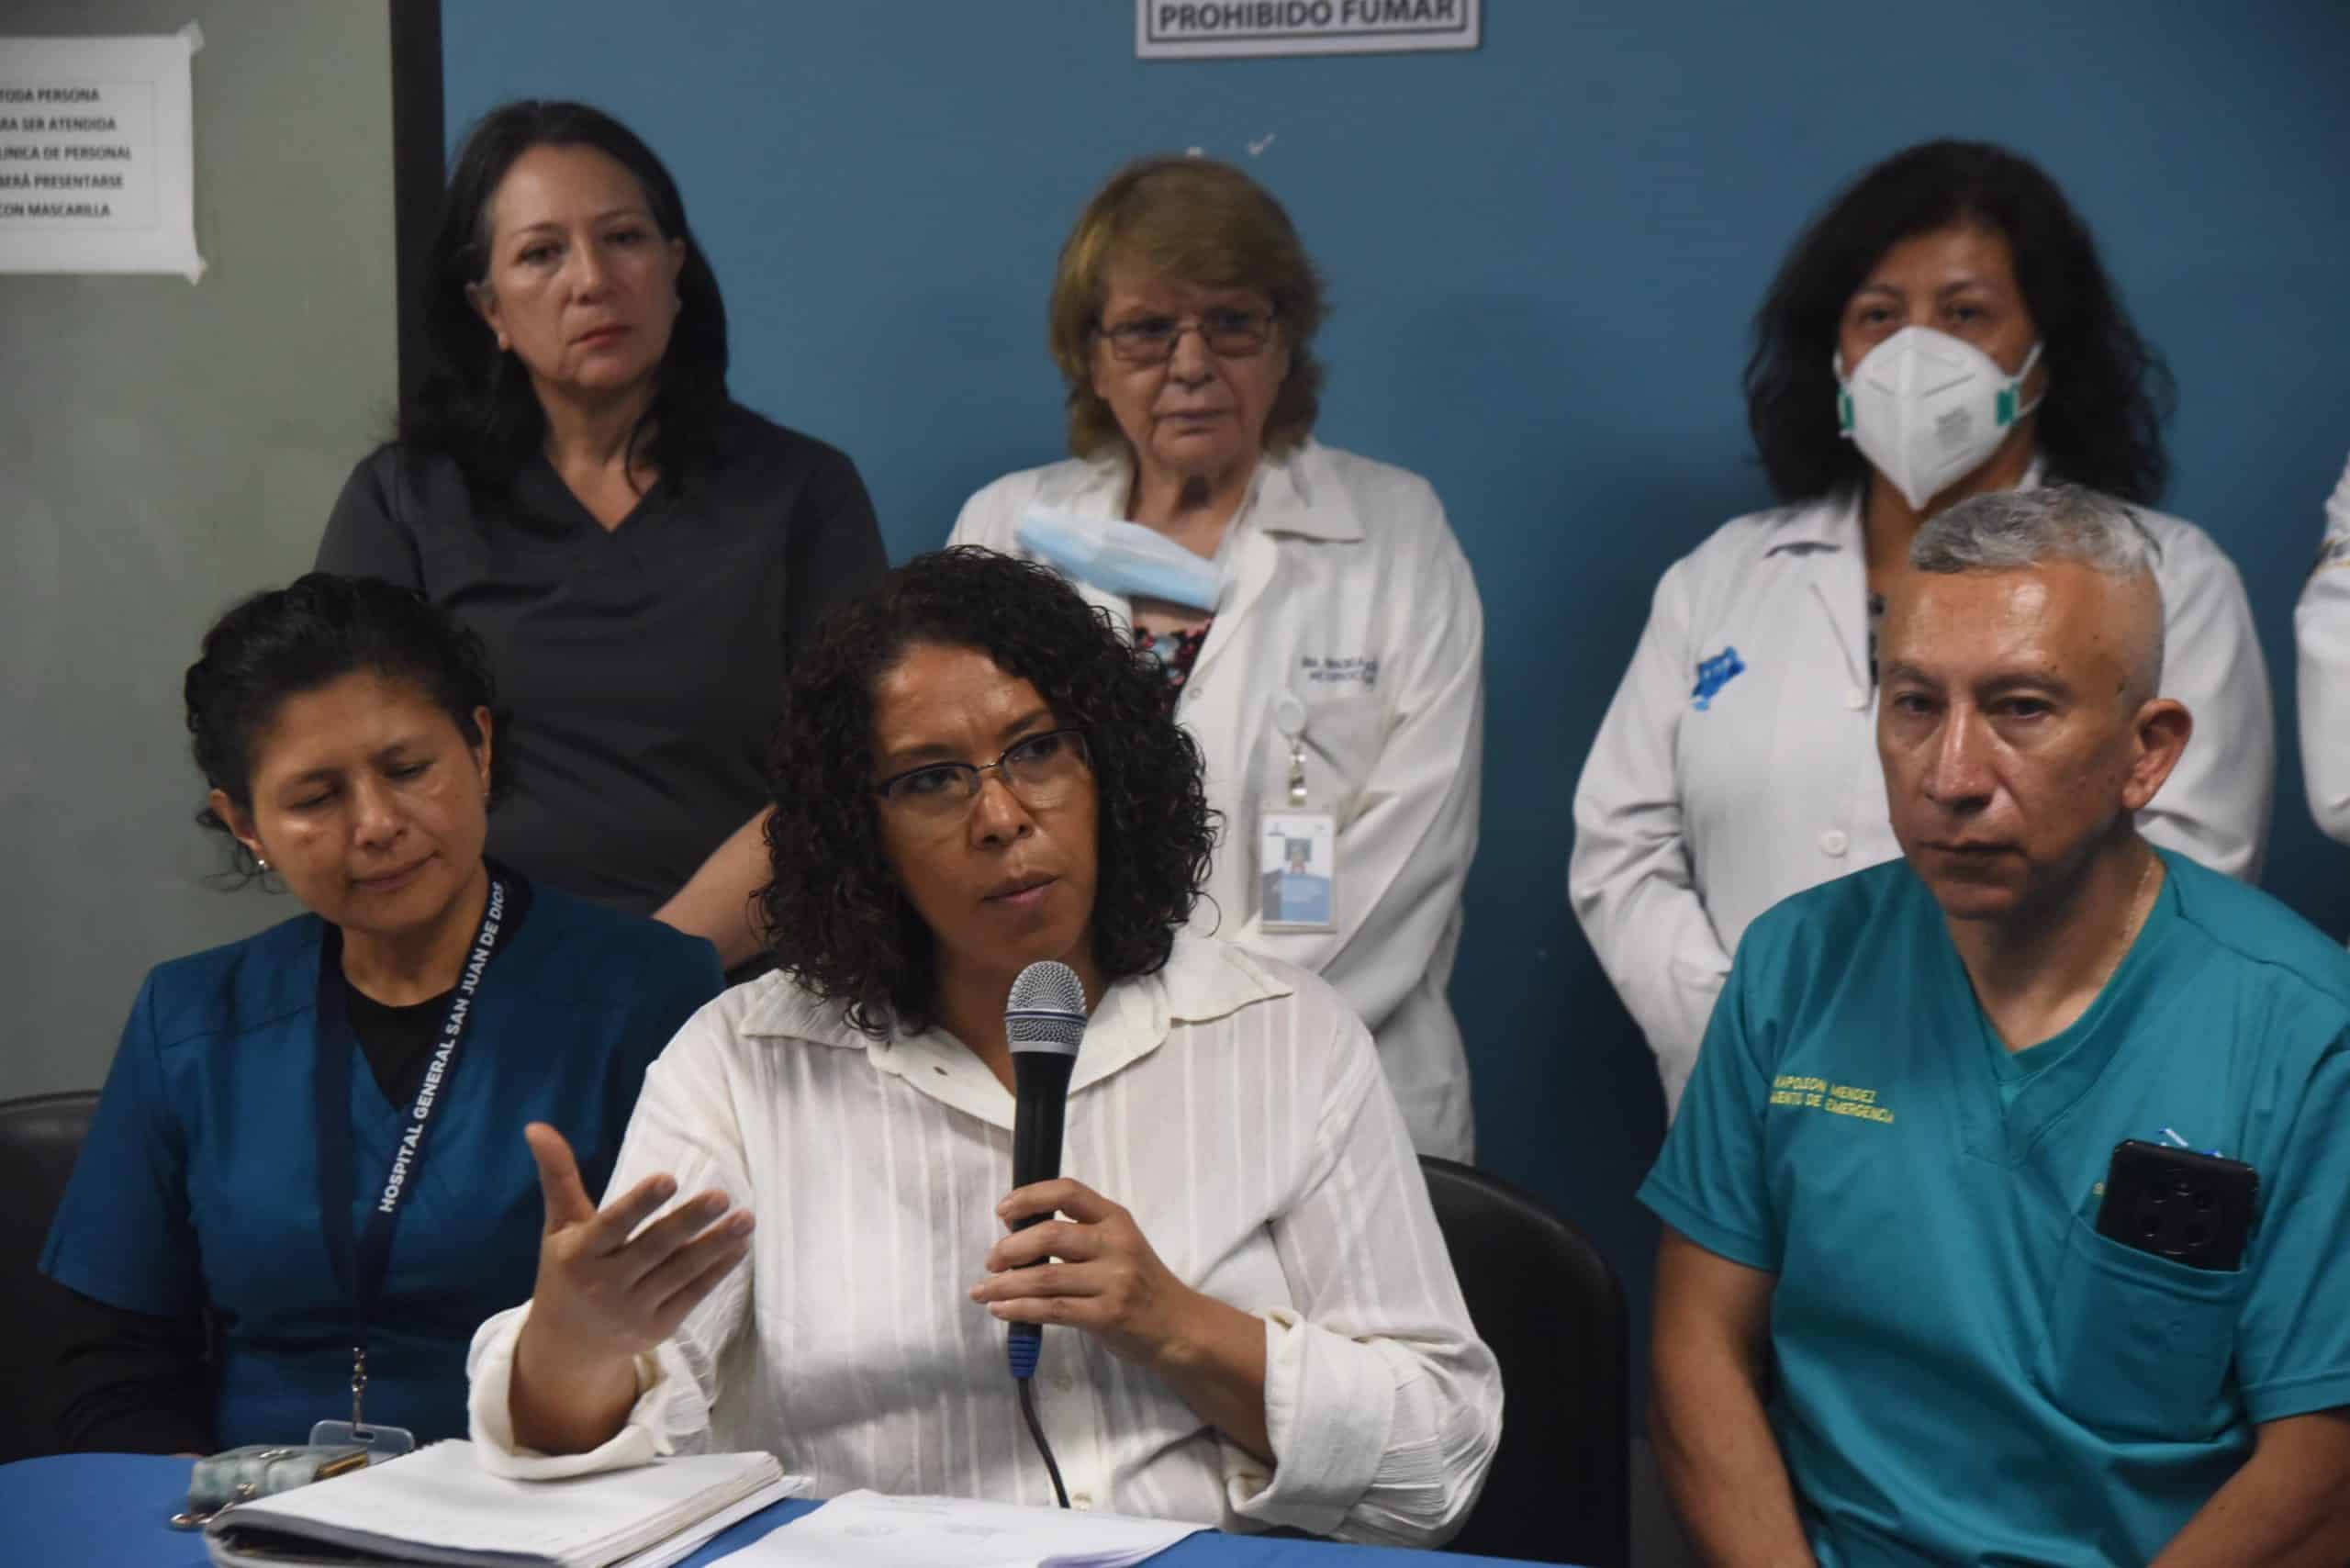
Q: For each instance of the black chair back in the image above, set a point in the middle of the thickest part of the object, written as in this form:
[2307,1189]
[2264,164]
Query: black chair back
[1543,1298]
[40,1137]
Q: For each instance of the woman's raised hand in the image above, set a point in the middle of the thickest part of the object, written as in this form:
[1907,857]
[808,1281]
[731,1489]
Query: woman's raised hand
[606,1293]
[604,1289]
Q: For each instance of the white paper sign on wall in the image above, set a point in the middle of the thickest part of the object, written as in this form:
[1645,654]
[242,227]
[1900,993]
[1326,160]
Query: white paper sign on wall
[1195,29]
[97,166]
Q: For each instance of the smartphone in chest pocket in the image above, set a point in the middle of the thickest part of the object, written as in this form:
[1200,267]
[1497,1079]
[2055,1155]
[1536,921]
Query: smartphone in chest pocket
[2192,1208]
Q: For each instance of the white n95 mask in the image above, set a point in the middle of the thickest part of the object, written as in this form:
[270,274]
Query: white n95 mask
[1927,410]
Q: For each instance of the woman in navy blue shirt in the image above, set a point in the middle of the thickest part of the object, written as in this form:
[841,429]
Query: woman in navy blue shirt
[310,1141]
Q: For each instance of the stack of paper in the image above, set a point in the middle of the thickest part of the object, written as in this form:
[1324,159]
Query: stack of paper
[438,1506]
[866,1529]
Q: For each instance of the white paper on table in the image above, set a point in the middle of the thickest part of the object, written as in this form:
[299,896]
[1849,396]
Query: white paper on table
[867,1529]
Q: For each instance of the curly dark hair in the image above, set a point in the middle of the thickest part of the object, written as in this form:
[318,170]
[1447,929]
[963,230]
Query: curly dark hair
[2108,391]
[475,403]
[834,913]
[283,642]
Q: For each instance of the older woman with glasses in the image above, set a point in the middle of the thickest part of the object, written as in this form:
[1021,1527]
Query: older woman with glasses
[1314,619]
[1256,1322]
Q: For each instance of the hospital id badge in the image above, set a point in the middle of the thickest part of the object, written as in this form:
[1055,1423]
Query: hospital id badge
[1297,859]
[382,1442]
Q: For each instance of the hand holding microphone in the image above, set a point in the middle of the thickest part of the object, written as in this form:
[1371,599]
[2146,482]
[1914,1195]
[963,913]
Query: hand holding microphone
[1109,1280]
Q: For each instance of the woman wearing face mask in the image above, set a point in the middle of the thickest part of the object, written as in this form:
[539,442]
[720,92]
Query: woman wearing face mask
[268,1094]
[1942,330]
[1316,619]
[644,555]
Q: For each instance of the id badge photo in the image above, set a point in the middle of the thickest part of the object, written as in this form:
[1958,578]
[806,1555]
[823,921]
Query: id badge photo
[1296,852]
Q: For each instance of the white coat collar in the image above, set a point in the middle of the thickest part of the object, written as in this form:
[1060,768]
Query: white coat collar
[1833,522]
[1295,493]
[1830,522]
[1204,980]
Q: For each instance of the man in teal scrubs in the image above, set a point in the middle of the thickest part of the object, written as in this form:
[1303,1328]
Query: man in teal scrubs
[1887,1330]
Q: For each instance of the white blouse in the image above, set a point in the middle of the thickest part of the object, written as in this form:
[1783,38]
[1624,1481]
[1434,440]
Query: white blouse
[1231,1103]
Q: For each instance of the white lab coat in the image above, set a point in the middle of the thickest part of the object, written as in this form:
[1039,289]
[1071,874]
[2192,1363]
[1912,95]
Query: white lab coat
[2321,640]
[1345,589]
[1689,822]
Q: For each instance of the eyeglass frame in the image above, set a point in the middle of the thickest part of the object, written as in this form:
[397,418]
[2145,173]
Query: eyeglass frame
[1270,316]
[1085,758]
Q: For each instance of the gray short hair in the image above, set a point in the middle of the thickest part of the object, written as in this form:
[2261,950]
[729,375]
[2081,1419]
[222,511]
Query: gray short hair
[2010,530]
[2007,530]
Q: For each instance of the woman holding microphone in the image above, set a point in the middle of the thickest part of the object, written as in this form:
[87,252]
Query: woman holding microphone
[1257,1323]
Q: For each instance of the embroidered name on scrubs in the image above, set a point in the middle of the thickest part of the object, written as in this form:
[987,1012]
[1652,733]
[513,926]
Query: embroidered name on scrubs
[1713,675]
[1835,1099]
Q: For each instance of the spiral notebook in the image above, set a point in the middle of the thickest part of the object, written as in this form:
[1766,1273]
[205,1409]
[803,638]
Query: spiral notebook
[439,1505]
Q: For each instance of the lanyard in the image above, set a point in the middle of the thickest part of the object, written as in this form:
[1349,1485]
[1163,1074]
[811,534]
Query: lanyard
[360,1267]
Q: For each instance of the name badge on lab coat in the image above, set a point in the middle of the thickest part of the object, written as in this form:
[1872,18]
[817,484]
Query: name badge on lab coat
[1297,848]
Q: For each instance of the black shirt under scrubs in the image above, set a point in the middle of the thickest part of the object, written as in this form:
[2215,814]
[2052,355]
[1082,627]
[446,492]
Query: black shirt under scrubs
[642,666]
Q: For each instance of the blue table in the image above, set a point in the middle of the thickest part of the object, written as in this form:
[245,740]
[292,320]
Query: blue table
[107,1510]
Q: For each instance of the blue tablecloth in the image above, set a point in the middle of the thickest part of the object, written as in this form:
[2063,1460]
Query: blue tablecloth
[107,1510]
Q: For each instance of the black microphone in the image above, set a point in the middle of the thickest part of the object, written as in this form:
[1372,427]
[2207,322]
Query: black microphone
[1044,1019]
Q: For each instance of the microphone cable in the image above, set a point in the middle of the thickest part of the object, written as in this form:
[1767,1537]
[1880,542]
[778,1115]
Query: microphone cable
[1036,1430]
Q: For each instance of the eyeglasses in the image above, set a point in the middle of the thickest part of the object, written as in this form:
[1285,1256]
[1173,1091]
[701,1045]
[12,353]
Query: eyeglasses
[1228,333]
[1042,770]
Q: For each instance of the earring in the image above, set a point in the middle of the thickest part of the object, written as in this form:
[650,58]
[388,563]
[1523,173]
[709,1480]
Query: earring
[261,862]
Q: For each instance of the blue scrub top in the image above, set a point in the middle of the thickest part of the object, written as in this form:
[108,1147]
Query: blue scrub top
[199,1185]
[1967,1372]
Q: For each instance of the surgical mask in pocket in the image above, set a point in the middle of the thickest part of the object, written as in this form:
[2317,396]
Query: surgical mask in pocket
[1122,558]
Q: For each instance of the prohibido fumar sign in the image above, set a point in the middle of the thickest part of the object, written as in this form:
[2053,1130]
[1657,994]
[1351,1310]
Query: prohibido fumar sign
[1189,29]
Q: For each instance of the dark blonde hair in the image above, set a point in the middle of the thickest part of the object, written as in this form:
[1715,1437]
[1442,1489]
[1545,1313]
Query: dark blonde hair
[1190,220]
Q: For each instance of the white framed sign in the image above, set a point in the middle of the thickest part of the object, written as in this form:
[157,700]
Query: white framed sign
[97,155]
[1199,29]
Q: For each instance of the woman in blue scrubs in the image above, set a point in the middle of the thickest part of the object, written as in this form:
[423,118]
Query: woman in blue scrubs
[307,1161]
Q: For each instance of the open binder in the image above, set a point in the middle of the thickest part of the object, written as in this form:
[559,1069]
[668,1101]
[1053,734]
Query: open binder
[439,1505]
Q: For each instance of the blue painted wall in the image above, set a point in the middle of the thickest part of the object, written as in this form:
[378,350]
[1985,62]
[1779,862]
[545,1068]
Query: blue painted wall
[1544,256]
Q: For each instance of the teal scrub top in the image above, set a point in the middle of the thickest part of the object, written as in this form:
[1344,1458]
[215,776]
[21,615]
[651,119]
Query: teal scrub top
[1966,1372]
[199,1185]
